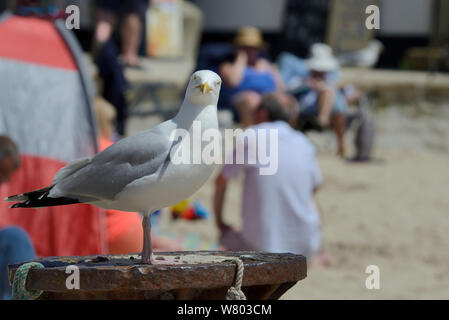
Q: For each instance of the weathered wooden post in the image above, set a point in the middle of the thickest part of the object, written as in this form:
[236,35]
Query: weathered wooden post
[175,275]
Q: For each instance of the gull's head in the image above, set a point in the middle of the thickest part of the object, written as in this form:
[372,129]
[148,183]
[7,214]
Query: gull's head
[204,88]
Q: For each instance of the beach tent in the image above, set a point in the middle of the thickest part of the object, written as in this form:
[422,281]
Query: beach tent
[45,107]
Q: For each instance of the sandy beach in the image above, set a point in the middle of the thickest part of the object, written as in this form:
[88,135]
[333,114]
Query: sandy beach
[391,213]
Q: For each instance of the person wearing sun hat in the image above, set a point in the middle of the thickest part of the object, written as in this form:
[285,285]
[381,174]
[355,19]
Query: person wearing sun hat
[323,99]
[248,74]
[249,36]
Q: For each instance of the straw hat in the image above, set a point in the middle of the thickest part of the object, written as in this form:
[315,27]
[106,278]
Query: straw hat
[322,59]
[249,37]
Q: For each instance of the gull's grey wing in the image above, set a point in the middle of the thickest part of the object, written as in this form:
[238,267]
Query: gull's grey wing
[112,169]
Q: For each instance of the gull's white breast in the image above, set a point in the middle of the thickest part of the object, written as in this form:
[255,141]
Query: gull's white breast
[171,184]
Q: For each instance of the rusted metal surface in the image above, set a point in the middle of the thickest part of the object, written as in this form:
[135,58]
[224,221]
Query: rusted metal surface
[266,276]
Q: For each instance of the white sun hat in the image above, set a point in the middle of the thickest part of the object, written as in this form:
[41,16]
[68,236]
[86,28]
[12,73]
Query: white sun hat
[321,58]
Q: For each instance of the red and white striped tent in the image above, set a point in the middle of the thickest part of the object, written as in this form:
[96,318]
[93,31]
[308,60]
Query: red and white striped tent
[45,107]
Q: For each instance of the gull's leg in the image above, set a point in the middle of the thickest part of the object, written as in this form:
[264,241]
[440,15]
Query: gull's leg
[147,250]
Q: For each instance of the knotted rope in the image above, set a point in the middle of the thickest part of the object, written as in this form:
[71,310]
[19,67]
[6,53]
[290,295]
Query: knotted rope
[235,291]
[19,291]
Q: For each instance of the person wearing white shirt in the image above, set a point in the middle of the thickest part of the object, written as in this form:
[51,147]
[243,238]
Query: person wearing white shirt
[279,213]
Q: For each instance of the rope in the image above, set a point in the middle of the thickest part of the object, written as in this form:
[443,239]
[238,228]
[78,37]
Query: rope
[19,291]
[235,291]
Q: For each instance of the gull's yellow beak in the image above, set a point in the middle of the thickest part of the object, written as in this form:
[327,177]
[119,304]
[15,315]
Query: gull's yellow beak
[204,87]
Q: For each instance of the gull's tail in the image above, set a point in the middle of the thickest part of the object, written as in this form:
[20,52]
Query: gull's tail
[39,199]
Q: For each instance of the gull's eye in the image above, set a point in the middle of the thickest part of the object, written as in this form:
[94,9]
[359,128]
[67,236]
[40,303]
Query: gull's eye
[218,83]
[195,77]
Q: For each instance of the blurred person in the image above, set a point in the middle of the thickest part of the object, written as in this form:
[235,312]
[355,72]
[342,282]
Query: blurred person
[9,158]
[15,247]
[15,244]
[279,213]
[124,229]
[316,82]
[107,55]
[133,18]
[248,74]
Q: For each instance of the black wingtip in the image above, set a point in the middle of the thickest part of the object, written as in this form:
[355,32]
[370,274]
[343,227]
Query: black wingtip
[25,204]
[45,202]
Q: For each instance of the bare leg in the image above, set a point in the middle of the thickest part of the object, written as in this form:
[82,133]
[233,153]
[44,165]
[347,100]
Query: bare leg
[325,103]
[338,125]
[131,36]
[147,250]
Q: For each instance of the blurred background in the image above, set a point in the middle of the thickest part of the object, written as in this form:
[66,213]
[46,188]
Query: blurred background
[379,124]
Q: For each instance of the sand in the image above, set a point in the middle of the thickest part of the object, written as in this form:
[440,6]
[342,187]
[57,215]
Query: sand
[393,213]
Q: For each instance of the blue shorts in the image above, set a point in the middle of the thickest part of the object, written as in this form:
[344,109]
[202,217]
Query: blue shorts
[139,7]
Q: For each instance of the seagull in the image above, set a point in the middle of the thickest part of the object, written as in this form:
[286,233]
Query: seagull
[136,174]
[366,57]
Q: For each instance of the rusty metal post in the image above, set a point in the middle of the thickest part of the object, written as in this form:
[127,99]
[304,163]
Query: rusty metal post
[176,275]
